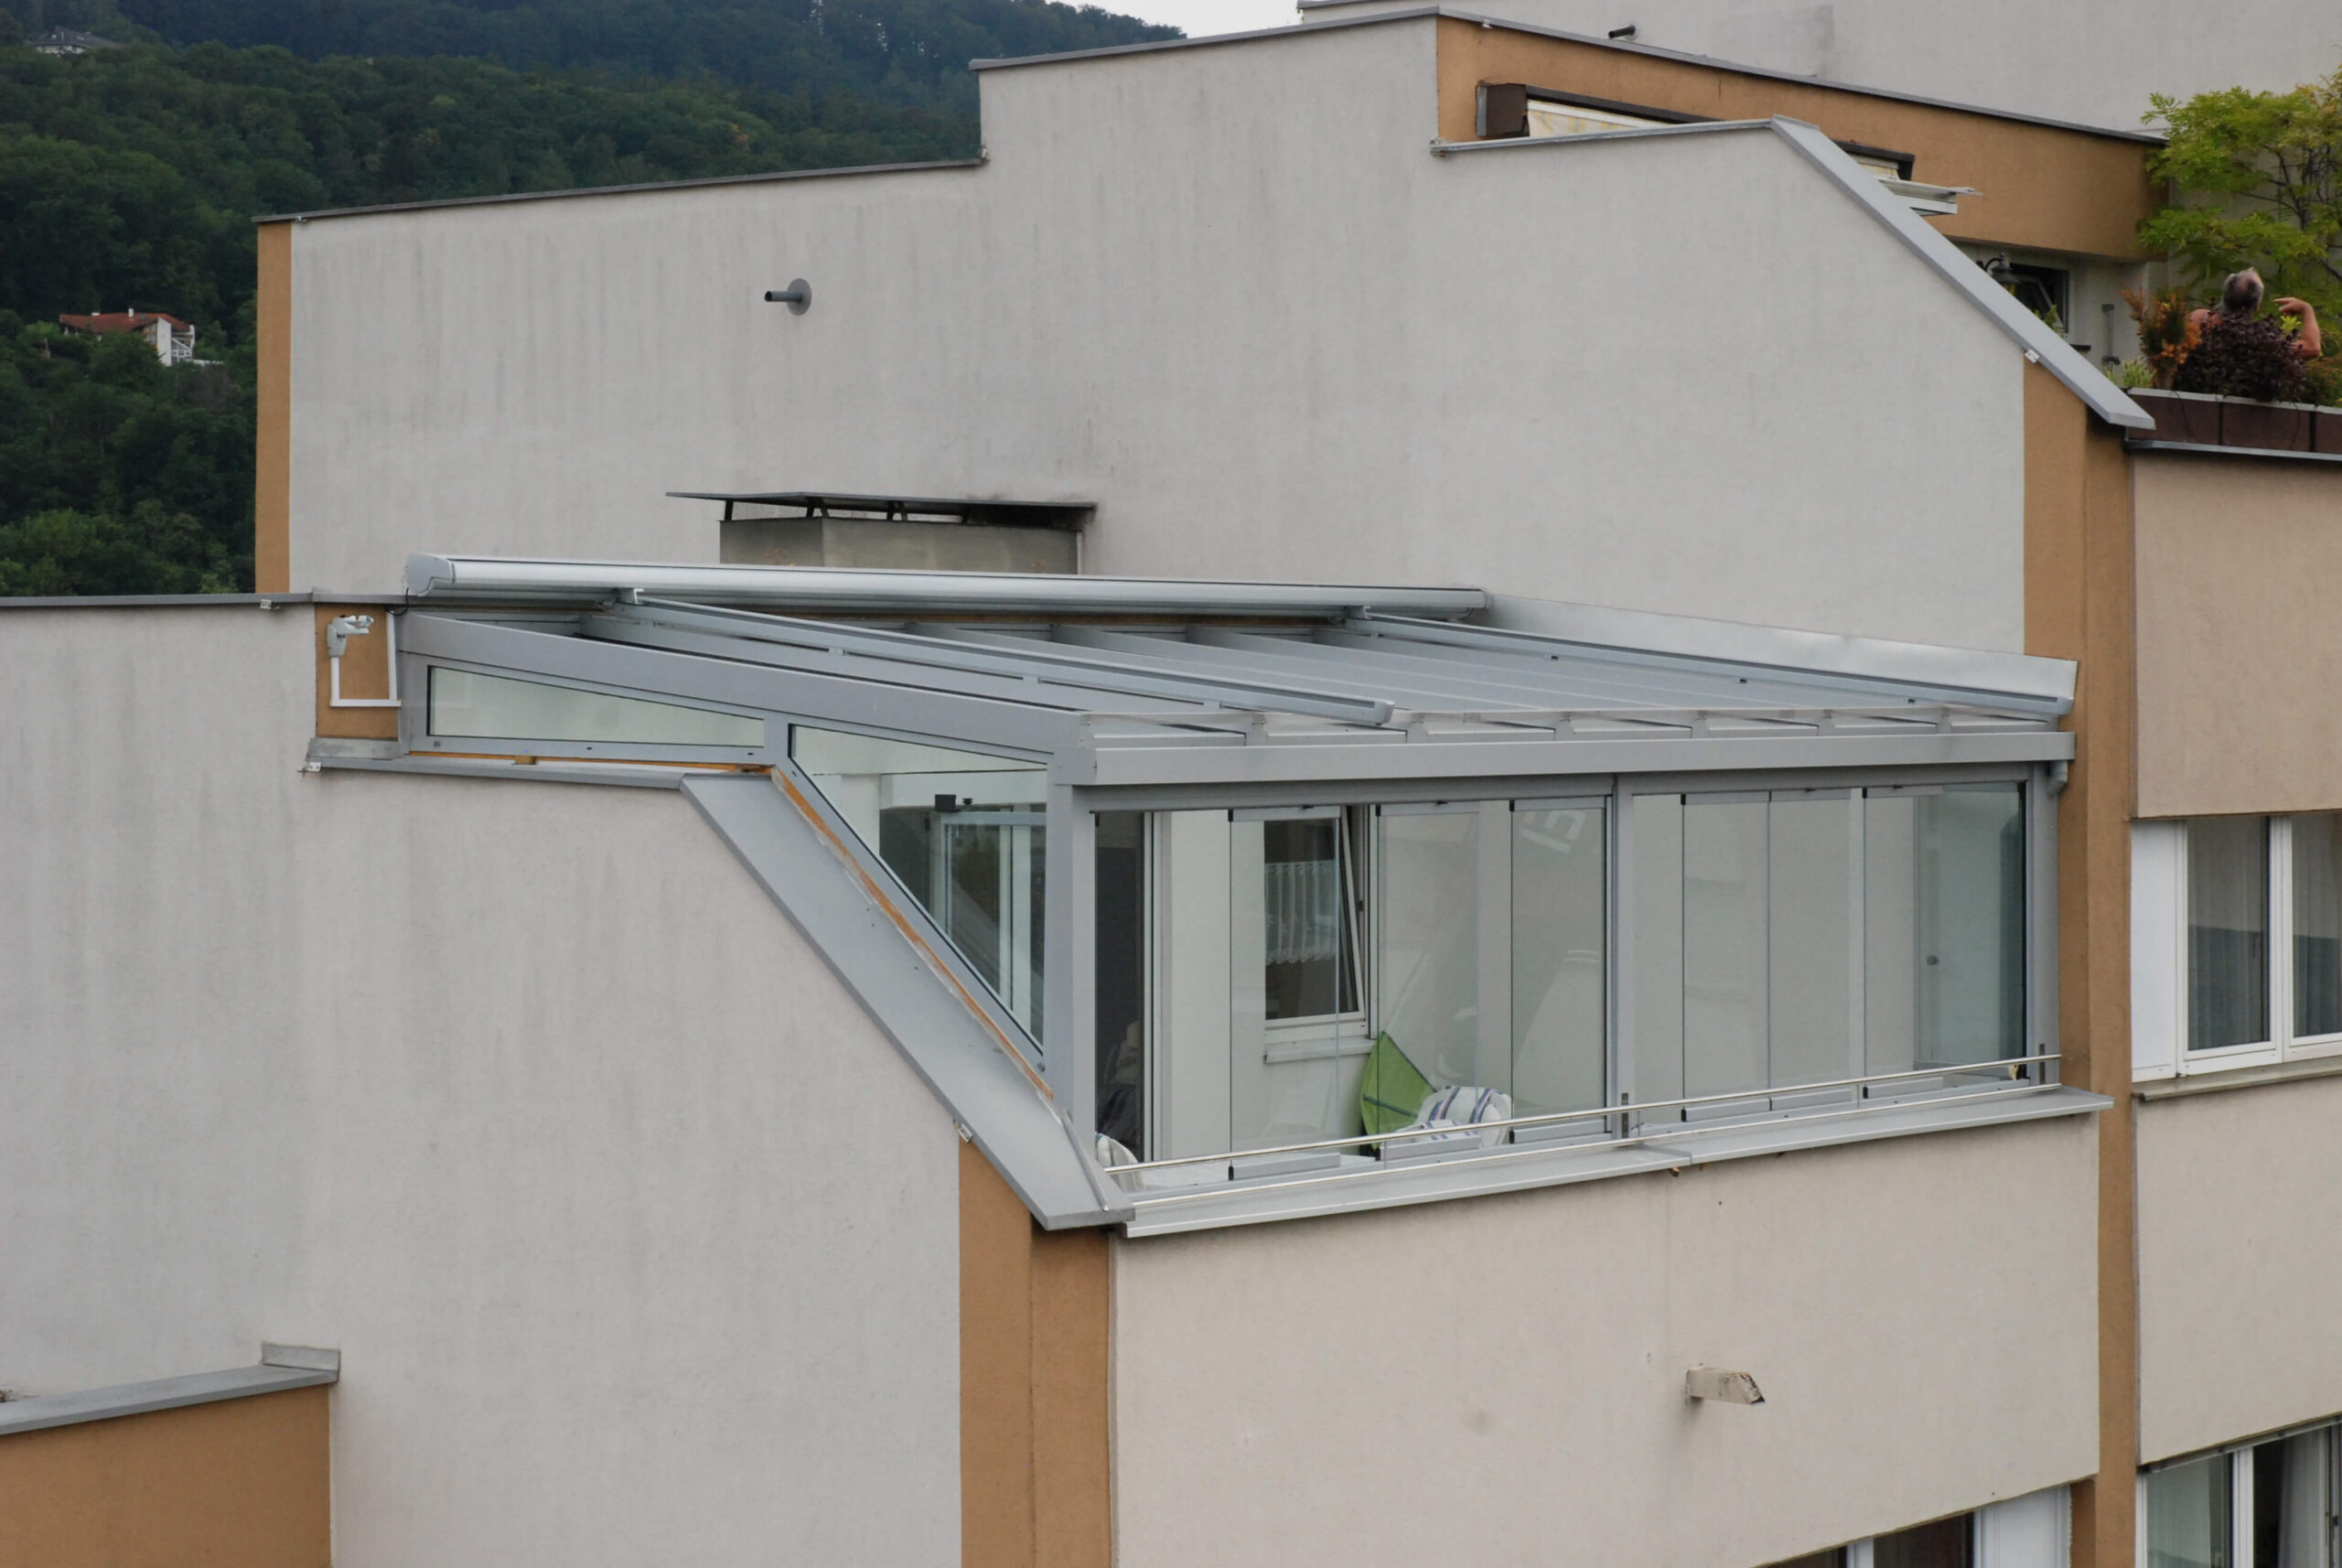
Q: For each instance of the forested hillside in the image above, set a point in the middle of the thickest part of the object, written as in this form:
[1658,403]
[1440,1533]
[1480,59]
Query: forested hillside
[129,178]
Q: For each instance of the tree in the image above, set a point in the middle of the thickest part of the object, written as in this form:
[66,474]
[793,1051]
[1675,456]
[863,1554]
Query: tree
[2257,178]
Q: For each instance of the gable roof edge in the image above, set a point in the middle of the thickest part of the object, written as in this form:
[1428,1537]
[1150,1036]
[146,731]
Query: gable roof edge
[2041,346]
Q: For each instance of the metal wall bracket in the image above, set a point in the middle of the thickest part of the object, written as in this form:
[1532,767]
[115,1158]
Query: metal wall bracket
[339,631]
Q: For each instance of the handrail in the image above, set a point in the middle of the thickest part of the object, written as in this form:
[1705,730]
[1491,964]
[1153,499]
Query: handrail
[1605,1112]
[1202,1192]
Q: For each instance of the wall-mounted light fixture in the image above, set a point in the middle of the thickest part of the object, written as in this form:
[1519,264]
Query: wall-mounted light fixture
[798,296]
[1726,1388]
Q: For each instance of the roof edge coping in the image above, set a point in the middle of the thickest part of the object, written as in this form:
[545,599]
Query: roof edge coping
[1623,46]
[768,177]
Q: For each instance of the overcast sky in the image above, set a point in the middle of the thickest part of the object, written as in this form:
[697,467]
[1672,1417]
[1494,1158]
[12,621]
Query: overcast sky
[1201,18]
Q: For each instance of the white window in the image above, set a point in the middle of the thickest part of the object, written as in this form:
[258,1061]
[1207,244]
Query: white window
[2236,942]
[2031,1532]
[2263,1505]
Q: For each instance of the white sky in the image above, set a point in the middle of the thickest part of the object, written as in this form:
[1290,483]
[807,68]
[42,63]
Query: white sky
[1202,17]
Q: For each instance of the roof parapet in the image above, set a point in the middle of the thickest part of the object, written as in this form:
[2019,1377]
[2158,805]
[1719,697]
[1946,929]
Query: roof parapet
[2040,345]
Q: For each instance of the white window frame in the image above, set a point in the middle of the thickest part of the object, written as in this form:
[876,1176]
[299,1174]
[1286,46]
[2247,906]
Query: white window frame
[2239,1457]
[2160,958]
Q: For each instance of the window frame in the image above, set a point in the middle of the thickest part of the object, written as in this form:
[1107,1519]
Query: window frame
[2166,993]
[2241,1461]
[417,739]
[2037,785]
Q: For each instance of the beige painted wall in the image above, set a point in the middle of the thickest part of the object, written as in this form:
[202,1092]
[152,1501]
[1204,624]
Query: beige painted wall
[1501,1380]
[2240,652]
[640,1238]
[236,1484]
[1173,293]
[2240,1203]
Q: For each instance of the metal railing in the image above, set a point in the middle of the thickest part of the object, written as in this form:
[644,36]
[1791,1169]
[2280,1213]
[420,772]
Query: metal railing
[1625,1114]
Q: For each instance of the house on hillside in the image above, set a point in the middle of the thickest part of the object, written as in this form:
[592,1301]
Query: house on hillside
[1613,869]
[71,41]
[173,340]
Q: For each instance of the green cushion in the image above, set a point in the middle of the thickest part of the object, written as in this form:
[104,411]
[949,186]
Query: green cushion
[1393,1089]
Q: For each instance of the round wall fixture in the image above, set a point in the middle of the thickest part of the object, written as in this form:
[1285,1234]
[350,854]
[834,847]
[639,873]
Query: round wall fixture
[798,296]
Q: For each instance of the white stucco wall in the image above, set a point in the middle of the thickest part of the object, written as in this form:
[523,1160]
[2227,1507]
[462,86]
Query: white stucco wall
[2090,62]
[2240,1203]
[639,1242]
[1227,295]
[1502,1380]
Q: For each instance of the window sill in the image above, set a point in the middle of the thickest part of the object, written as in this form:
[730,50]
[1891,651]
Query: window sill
[2216,1081]
[1515,1168]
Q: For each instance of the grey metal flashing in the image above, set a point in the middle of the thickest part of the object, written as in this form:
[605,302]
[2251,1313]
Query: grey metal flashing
[1978,674]
[164,1393]
[163,602]
[635,776]
[2192,1084]
[1622,45]
[773,178]
[2040,345]
[981,1080]
[1514,1168]
[2199,449]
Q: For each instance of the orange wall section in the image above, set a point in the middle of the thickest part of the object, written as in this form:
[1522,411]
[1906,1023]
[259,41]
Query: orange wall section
[2038,187]
[1034,1477]
[272,465]
[2080,597]
[240,1483]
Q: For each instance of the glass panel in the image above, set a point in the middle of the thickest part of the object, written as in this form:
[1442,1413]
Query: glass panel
[1945,1543]
[1653,885]
[2187,1515]
[1296,1033]
[1725,993]
[1429,958]
[1815,970]
[1307,923]
[2228,931]
[964,833]
[1122,977]
[492,707]
[1944,927]
[2318,925]
[2290,1503]
[1559,903]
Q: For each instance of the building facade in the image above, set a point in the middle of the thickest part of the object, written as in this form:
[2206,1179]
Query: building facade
[1648,903]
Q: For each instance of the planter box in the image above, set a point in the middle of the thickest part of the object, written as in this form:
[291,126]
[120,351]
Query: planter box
[2191,417]
[2327,431]
[2200,419]
[2270,427]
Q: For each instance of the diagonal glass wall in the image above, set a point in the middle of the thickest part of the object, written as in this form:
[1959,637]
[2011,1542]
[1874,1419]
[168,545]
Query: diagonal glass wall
[965,833]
